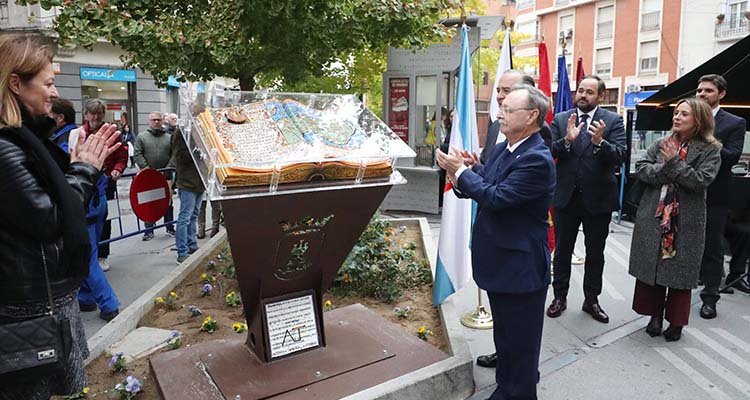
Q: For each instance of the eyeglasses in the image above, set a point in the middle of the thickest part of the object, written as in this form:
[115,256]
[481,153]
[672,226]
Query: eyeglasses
[508,110]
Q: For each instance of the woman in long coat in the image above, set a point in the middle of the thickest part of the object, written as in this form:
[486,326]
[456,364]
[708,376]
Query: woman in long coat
[670,226]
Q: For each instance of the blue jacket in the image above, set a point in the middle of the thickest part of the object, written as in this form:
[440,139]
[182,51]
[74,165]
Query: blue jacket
[514,191]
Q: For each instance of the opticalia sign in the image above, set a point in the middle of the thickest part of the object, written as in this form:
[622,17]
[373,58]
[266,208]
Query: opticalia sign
[104,74]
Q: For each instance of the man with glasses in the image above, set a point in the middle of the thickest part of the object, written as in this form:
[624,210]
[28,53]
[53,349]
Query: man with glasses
[589,144]
[509,251]
[153,149]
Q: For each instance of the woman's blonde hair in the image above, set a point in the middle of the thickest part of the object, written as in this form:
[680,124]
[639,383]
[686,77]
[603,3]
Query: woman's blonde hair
[24,55]
[704,119]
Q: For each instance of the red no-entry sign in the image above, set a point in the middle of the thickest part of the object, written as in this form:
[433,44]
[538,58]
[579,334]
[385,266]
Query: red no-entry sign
[149,195]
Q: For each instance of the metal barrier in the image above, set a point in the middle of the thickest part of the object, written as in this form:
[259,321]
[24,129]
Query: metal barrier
[118,215]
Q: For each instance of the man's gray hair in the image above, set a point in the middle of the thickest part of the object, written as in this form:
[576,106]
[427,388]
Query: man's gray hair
[536,100]
[159,113]
[92,106]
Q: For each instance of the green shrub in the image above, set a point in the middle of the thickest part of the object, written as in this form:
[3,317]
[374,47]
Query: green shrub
[378,267]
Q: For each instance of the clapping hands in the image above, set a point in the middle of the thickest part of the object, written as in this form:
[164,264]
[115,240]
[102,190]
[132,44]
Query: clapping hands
[94,149]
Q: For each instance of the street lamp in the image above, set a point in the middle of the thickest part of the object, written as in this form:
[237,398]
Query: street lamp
[565,39]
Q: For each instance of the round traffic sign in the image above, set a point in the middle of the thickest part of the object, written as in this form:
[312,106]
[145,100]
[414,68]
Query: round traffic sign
[149,195]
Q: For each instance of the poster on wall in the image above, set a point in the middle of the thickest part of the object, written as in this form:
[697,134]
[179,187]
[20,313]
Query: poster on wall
[398,106]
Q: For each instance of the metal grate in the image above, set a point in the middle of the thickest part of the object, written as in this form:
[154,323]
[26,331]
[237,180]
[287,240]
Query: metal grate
[739,27]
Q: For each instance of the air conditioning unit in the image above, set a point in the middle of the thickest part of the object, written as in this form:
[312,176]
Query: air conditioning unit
[633,87]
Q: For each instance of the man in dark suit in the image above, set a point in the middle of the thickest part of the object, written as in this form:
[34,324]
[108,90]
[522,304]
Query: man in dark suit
[510,255]
[730,131]
[589,144]
[509,78]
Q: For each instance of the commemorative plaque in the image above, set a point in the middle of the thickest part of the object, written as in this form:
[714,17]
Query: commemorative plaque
[292,325]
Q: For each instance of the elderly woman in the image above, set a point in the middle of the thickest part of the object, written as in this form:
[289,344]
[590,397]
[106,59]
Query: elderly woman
[43,228]
[670,226]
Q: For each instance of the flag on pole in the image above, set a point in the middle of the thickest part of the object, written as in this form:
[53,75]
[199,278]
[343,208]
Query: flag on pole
[563,99]
[545,80]
[503,64]
[453,268]
[579,71]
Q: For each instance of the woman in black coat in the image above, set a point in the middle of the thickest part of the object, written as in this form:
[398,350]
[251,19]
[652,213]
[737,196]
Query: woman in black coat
[42,220]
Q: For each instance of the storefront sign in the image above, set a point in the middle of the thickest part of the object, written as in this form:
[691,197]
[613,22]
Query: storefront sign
[104,74]
[633,98]
[173,82]
[398,107]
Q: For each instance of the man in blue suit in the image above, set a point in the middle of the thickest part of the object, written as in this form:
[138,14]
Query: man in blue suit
[510,255]
[589,144]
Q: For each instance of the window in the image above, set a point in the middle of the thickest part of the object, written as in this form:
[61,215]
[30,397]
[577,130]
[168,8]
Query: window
[486,78]
[735,11]
[611,96]
[649,56]
[521,4]
[604,22]
[604,61]
[651,15]
[3,10]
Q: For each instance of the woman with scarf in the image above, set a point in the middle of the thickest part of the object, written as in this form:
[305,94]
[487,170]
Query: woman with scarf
[42,220]
[670,226]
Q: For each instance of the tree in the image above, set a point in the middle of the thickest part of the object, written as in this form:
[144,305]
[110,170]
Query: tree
[291,40]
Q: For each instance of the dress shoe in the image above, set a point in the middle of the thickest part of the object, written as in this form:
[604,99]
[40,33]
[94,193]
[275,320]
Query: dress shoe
[201,234]
[673,333]
[87,307]
[708,311]
[595,310]
[171,232]
[557,307]
[109,316]
[488,361]
[740,285]
[214,231]
[654,326]
[148,236]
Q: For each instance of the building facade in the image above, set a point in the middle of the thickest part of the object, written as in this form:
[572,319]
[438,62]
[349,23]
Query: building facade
[634,45]
[99,73]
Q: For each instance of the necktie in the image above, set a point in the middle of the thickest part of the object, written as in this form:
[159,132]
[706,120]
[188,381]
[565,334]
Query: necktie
[583,136]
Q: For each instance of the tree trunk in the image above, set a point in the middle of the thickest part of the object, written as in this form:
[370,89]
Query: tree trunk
[247,82]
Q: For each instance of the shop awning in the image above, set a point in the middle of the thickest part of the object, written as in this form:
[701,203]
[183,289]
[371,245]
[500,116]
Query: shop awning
[655,113]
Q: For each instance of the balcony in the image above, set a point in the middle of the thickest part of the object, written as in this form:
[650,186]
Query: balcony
[650,21]
[3,12]
[521,4]
[604,70]
[562,2]
[735,28]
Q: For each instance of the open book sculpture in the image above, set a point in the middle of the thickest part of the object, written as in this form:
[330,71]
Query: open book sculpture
[341,140]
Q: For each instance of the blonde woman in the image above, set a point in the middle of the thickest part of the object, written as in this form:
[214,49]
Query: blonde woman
[43,221]
[670,226]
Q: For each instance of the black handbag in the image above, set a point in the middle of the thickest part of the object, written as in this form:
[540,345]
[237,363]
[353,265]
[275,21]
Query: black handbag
[37,346]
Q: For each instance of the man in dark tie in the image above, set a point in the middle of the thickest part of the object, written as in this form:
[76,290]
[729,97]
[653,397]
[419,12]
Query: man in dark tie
[730,131]
[509,250]
[589,144]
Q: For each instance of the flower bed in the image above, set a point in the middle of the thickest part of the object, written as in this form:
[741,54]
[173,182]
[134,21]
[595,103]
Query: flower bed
[206,305]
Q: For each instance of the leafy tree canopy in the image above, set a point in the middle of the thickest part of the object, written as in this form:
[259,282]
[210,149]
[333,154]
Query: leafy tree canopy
[288,40]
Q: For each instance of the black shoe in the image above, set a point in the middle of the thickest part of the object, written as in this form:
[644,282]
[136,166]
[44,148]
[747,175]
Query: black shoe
[109,316]
[201,233]
[171,232]
[708,311]
[191,251]
[673,333]
[596,311]
[488,361]
[557,307]
[740,285]
[654,327]
[147,236]
[214,231]
[87,307]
